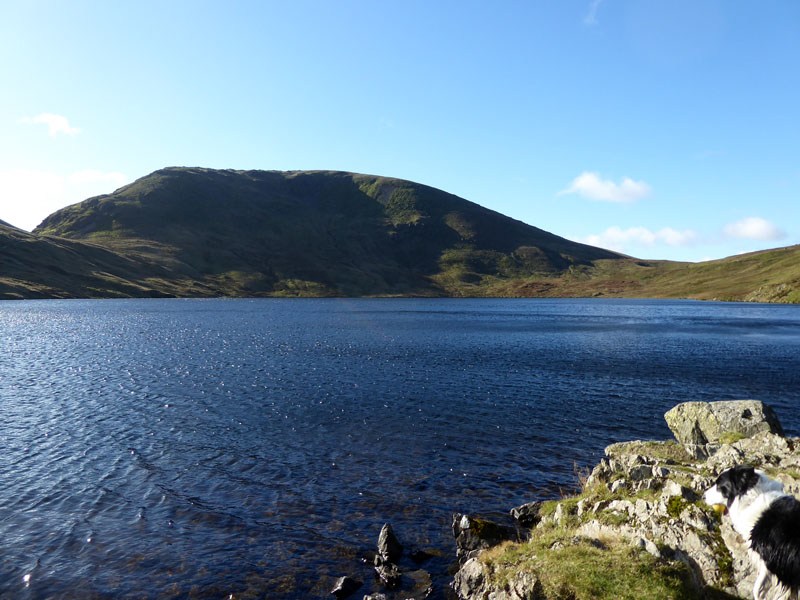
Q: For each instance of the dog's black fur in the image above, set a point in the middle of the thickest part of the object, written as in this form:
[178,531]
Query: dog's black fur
[770,522]
[776,539]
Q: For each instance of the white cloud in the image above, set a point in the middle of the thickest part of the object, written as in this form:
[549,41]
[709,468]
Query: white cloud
[618,239]
[753,228]
[589,185]
[591,15]
[55,124]
[673,237]
[28,196]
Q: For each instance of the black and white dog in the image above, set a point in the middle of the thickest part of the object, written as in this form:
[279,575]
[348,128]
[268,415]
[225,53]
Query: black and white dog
[769,520]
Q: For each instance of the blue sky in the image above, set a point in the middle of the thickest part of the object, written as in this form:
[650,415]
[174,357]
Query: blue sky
[663,129]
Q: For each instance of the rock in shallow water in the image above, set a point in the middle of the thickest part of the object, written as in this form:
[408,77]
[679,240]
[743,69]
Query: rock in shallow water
[389,574]
[389,547]
[421,585]
[345,586]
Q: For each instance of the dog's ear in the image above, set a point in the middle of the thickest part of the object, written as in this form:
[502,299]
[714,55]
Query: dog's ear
[736,481]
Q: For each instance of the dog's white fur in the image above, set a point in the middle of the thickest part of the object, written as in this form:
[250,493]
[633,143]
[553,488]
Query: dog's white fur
[744,511]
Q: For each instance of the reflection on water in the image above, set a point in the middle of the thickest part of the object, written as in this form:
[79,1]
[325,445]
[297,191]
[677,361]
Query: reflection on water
[202,448]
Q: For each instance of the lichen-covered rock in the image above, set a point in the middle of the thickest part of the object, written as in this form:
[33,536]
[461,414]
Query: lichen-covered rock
[763,449]
[697,424]
[674,489]
[522,586]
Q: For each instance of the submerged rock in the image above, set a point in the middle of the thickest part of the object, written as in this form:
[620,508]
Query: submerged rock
[418,555]
[420,585]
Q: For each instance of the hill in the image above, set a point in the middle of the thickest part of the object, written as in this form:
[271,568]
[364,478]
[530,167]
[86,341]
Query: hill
[314,233]
[764,276]
[193,232]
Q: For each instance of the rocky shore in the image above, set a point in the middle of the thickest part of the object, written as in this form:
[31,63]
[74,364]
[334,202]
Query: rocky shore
[638,528]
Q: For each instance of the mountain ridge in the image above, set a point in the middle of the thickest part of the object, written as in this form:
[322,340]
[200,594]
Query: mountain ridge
[197,232]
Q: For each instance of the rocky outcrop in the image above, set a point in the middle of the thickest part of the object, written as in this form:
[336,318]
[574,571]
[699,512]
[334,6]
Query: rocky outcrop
[649,495]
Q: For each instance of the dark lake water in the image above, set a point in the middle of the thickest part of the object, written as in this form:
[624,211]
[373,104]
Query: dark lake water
[208,448]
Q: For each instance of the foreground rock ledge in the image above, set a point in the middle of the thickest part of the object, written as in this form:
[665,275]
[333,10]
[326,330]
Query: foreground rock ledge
[641,506]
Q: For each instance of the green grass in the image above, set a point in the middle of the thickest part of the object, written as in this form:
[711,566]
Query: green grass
[668,451]
[570,570]
[573,568]
[730,437]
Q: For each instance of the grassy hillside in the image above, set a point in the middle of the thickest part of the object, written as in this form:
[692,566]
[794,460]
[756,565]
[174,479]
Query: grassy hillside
[33,266]
[766,276]
[202,232]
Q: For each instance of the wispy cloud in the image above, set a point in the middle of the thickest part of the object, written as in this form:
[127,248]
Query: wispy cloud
[55,124]
[590,18]
[590,185]
[620,240]
[754,228]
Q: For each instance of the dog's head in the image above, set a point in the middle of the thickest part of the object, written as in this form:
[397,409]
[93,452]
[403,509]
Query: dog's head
[737,483]
[730,485]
